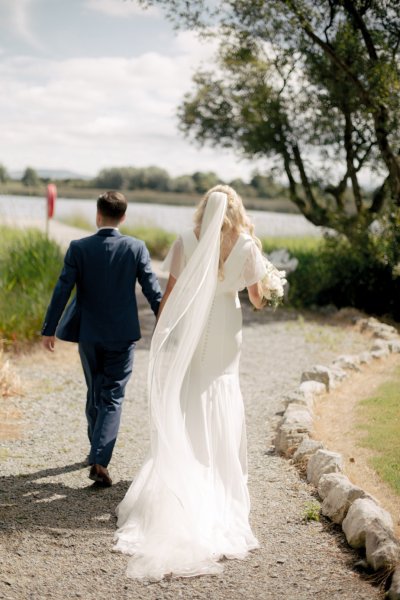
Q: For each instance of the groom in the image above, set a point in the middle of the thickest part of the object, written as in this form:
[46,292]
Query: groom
[103,319]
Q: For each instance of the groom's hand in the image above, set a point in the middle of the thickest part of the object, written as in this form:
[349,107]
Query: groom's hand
[48,342]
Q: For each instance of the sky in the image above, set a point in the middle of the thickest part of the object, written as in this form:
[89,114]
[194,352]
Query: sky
[88,84]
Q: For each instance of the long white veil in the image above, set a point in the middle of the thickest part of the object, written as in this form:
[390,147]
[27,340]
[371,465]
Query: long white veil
[167,509]
[177,334]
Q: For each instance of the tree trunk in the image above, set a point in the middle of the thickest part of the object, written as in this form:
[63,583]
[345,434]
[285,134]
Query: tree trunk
[391,160]
[348,144]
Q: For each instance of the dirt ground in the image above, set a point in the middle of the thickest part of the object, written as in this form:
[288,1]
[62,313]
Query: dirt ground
[336,424]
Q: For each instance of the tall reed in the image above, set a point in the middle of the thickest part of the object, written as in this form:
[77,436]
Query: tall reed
[29,267]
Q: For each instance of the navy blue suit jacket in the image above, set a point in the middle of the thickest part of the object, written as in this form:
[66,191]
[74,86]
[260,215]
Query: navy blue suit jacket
[104,267]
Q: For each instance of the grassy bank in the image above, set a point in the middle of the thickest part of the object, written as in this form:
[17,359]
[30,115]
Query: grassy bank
[379,418]
[29,267]
[143,196]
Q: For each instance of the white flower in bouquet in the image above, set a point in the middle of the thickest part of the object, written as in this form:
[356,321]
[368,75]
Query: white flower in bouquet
[272,285]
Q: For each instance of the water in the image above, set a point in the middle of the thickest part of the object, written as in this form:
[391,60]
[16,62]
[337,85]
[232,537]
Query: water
[15,209]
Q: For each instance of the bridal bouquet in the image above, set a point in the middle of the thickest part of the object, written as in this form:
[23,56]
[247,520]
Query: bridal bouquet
[272,285]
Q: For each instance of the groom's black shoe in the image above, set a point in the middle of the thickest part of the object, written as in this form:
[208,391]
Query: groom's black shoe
[100,475]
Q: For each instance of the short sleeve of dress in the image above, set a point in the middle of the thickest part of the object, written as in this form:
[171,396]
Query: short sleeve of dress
[254,267]
[174,262]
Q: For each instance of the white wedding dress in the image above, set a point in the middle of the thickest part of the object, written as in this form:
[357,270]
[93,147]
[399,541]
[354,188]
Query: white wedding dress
[189,505]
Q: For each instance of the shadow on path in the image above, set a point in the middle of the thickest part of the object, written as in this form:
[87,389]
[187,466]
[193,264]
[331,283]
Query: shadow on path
[41,500]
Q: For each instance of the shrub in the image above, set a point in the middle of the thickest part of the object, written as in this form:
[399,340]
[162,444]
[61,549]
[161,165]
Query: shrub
[29,267]
[358,274]
[302,281]
[362,273]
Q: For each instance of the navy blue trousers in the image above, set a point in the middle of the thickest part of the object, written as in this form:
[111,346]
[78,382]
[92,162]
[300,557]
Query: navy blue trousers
[107,367]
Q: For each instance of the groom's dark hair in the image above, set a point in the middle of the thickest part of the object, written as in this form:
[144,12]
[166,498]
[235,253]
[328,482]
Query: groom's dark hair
[112,205]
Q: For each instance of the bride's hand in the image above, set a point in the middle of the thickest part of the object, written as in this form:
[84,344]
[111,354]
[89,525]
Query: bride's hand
[256,296]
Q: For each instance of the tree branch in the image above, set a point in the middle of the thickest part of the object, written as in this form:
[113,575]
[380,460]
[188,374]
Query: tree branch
[359,24]
[305,25]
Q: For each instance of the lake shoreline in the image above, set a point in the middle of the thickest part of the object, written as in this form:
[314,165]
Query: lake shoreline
[170,218]
[282,205]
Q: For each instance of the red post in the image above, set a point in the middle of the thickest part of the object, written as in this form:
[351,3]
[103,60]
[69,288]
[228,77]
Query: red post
[51,202]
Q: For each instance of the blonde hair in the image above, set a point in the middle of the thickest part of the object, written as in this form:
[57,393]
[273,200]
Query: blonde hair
[235,220]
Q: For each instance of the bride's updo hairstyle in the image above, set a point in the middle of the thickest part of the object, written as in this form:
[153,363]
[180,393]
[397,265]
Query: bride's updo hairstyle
[235,222]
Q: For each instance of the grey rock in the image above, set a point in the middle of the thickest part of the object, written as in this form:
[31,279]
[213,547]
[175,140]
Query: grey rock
[312,388]
[365,357]
[381,547]
[321,463]
[339,499]
[380,345]
[339,374]
[306,449]
[361,515]
[394,590]
[348,361]
[295,424]
[300,398]
[378,329]
[321,374]
[380,353]
[385,332]
[328,482]
[298,415]
[394,345]
[368,324]
[288,438]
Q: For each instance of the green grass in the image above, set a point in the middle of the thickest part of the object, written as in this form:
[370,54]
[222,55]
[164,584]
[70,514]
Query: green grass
[380,422]
[29,267]
[312,511]
[158,241]
[78,220]
[294,245]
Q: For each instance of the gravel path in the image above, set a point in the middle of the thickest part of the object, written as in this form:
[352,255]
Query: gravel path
[56,529]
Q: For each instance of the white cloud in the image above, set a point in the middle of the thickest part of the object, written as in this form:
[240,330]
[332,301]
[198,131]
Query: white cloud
[87,113]
[121,8]
[17,16]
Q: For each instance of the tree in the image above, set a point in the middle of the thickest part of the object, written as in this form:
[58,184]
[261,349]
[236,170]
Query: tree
[203,181]
[111,178]
[183,184]
[153,178]
[300,79]
[265,186]
[30,178]
[4,176]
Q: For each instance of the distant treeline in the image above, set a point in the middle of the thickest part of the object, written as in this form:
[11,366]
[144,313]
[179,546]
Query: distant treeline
[157,179]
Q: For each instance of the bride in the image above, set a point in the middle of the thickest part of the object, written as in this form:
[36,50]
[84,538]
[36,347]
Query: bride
[189,504]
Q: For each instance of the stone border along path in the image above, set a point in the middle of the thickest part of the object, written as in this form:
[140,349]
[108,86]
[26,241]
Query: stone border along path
[365,524]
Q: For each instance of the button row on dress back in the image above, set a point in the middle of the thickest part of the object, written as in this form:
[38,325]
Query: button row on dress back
[207,333]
